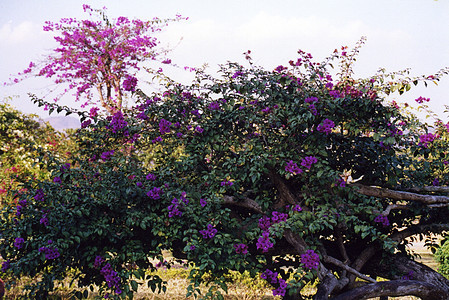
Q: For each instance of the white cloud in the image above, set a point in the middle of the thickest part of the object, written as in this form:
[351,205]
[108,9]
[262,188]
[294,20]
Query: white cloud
[22,33]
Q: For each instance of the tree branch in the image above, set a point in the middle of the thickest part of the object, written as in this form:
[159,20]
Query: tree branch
[415,229]
[395,288]
[400,195]
[340,264]
[245,202]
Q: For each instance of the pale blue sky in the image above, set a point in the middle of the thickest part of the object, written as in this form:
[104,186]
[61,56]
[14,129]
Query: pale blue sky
[401,34]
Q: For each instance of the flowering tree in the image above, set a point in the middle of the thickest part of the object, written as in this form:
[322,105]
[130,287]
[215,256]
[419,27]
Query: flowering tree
[296,175]
[21,138]
[100,55]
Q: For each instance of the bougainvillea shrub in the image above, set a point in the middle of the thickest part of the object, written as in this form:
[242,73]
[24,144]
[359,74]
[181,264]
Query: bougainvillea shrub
[301,174]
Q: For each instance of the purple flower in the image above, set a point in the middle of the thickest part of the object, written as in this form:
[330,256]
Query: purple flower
[311,100]
[226,183]
[174,210]
[426,138]
[39,195]
[111,277]
[326,126]
[6,265]
[57,179]
[139,184]
[308,161]
[50,252]
[86,123]
[192,247]
[117,122]
[151,177]
[241,248]
[334,93]
[210,232]
[98,261]
[310,260]
[292,167]
[278,217]
[203,202]
[237,74]
[383,220]
[155,193]
[264,223]
[44,220]
[164,126]
[107,155]
[130,83]
[297,208]
[214,105]
[436,182]
[422,99]
[199,129]
[93,112]
[264,242]
[18,242]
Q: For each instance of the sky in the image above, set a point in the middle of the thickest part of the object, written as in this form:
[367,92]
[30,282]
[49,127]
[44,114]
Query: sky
[400,34]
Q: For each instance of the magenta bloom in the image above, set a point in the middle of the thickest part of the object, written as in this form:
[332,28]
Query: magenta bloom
[308,161]
[292,167]
[310,260]
[326,126]
[130,83]
[18,242]
[210,232]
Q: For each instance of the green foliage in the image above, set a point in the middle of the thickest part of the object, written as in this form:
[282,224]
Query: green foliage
[21,138]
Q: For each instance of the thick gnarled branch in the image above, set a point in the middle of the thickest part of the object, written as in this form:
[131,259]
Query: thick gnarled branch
[395,288]
[400,195]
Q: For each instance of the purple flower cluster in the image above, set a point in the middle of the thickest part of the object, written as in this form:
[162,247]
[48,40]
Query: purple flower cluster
[151,177]
[422,99]
[383,220]
[93,112]
[237,74]
[130,83]
[297,208]
[18,242]
[226,183]
[334,93]
[99,260]
[308,161]
[210,232]
[86,123]
[426,138]
[164,126]
[44,220]
[214,105]
[272,277]
[436,182]
[292,167]
[174,210]
[310,260]
[311,100]
[313,109]
[6,265]
[326,126]
[57,179]
[203,202]
[22,204]
[107,155]
[111,277]
[263,242]
[155,193]
[50,252]
[117,122]
[198,129]
[241,248]
[40,196]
